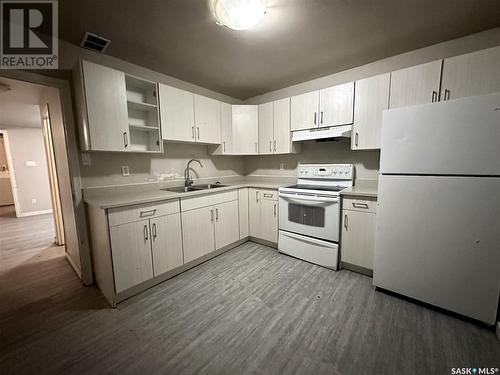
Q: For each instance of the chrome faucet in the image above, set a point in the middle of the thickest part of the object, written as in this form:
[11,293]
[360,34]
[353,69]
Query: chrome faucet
[188,181]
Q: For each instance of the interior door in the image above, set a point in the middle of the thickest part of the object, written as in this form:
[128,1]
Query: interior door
[226,224]
[437,241]
[282,134]
[336,105]
[266,124]
[106,98]
[475,73]
[198,232]
[207,120]
[131,253]
[416,85]
[166,243]
[304,111]
[177,114]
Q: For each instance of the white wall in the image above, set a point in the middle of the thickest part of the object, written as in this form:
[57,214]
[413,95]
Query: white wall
[26,144]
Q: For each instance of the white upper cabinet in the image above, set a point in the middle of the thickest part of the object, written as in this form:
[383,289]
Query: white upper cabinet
[226,114]
[266,125]
[336,105]
[102,107]
[207,120]
[177,114]
[416,85]
[476,73]
[372,98]
[282,132]
[304,111]
[245,129]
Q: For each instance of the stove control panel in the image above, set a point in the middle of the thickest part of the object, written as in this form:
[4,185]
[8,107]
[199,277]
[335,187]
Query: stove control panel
[326,171]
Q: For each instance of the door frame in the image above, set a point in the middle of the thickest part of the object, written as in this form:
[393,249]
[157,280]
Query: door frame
[12,174]
[73,159]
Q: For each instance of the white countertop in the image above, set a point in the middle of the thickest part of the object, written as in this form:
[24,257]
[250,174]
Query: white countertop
[110,197]
[362,188]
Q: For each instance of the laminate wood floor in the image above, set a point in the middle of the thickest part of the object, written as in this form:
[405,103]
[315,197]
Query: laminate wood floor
[248,311]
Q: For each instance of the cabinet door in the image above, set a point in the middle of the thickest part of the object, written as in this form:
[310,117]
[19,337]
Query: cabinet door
[245,129]
[107,115]
[304,111]
[198,232]
[177,114]
[336,105]
[358,238]
[269,219]
[166,237]
[372,97]
[243,212]
[282,133]
[207,119]
[226,224]
[254,198]
[476,73]
[416,85]
[266,133]
[131,252]
[226,113]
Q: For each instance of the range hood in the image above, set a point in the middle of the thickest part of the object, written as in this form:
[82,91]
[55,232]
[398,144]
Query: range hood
[342,131]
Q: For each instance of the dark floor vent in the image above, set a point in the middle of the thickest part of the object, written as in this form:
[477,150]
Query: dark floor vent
[94,42]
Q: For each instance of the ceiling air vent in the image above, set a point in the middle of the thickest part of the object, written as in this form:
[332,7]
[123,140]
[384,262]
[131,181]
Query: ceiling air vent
[95,42]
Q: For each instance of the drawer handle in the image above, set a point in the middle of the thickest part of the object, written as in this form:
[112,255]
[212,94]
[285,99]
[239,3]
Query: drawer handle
[359,205]
[148,213]
[268,195]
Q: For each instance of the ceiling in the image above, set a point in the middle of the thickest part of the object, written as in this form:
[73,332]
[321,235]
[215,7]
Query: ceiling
[19,107]
[296,41]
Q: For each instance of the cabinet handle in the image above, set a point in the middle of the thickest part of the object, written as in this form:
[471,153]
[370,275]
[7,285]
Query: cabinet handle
[125,139]
[270,146]
[315,115]
[346,221]
[321,117]
[256,147]
[198,128]
[216,214]
[147,213]
[360,205]
[275,145]
[356,136]
[449,93]
[434,96]
[146,236]
[267,195]
[192,132]
[275,210]
[154,231]
[212,216]
[224,145]
[257,196]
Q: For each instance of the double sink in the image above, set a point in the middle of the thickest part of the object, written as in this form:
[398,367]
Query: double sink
[187,189]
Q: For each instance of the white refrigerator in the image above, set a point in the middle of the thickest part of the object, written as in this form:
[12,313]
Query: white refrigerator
[438,216]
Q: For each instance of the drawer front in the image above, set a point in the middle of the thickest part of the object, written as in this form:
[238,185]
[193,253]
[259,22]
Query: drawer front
[191,203]
[363,204]
[271,195]
[122,215]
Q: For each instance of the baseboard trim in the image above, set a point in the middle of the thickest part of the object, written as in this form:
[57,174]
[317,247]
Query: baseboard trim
[33,213]
[357,269]
[274,245]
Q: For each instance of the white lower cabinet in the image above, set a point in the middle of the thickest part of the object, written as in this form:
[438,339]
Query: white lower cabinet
[263,214]
[131,249]
[198,232]
[243,212]
[166,243]
[226,224]
[358,233]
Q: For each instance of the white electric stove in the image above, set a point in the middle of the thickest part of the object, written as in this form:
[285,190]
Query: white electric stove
[309,213]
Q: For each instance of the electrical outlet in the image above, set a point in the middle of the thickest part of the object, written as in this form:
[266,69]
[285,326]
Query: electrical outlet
[125,170]
[86,159]
[33,200]
[282,166]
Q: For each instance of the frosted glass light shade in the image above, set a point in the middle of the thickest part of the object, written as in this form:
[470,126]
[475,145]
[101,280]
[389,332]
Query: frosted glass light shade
[238,14]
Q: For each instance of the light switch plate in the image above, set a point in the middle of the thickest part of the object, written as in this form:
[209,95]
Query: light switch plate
[31,163]
[125,170]
[86,159]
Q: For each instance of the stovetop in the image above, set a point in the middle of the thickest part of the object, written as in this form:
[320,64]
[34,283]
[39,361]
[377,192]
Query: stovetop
[316,187]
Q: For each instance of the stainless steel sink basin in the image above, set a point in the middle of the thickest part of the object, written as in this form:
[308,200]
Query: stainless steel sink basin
[181,189]
[208,186]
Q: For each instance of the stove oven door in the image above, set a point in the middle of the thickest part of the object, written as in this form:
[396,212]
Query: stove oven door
[311,215]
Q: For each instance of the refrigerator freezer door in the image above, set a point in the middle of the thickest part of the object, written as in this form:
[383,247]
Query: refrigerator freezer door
[456,137]
[438,241]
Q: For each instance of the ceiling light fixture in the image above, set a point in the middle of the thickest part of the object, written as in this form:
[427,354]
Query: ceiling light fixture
[238,14]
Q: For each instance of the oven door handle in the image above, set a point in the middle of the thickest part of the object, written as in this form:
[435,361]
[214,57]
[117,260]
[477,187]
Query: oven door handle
[309,198]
